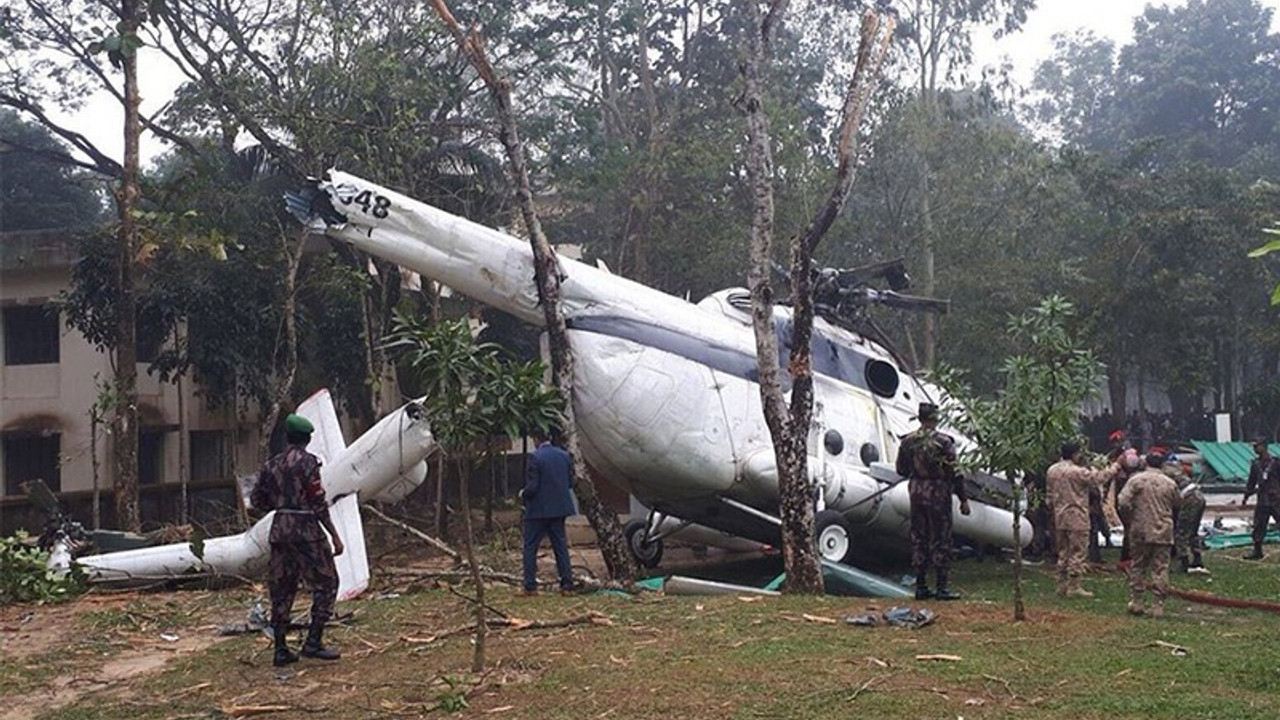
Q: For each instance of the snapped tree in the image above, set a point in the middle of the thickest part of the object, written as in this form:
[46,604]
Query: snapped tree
[789,427]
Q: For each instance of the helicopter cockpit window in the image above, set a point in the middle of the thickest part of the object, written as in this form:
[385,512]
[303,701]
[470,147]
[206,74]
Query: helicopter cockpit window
[840,361]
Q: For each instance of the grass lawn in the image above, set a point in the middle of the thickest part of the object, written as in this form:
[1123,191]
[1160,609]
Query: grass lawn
[673,657]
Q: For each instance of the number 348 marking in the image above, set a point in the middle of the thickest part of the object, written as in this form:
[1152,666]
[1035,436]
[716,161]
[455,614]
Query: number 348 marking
[375,205]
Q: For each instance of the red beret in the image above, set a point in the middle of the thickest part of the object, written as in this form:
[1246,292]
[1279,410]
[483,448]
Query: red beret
[1117,435]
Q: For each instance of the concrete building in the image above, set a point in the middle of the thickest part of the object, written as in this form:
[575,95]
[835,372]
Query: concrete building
[51,378]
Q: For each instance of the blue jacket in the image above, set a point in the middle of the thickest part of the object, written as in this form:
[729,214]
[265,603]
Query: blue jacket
[548,484]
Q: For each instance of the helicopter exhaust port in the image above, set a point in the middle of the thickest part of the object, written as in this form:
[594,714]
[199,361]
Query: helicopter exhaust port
[882,378]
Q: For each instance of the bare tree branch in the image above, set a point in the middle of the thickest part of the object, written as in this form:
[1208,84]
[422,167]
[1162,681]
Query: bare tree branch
[101,163]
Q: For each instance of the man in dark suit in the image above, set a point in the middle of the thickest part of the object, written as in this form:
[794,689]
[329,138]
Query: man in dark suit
[548,500]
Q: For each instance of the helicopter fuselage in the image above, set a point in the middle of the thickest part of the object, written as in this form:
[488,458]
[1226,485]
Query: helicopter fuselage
[667,399]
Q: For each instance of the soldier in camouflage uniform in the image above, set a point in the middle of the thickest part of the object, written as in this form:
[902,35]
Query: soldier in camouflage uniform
[1264,479]
[1150,499]
[928,457]
[289,484]
[1069,482]
[1186,526]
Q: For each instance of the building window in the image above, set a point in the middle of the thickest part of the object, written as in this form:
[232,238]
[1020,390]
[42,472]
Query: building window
[30,335]
[150,457]
[209,459]
[31,456]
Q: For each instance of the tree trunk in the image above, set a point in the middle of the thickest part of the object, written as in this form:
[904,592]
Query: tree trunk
[1117,391]
[184,470]
[492,468]
[289,320]
[477,655]
[927,265]
[800,560]
[790,428]
[95,422]
[603,520]
[1019,606]
[124,423]
[442,501]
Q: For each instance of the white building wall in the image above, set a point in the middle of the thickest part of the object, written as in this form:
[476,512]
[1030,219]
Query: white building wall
[58,397]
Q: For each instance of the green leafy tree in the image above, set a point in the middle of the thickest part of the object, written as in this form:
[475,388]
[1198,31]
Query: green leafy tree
[59,51]
[1199,81]
[471,392]
[938,35]
[38,188]
[332,87]
[1020,428]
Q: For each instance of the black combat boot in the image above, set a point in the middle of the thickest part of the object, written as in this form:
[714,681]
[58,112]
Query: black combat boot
[943,593]
[1256,554]
[314,646]
[283,655]
[922,588]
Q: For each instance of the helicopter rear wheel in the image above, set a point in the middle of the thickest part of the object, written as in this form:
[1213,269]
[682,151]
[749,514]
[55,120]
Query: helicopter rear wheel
[833,535]
[646,552]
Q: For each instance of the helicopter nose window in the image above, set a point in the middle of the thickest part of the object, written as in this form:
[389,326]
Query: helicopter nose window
[868,453]
[834,442]
[882,378]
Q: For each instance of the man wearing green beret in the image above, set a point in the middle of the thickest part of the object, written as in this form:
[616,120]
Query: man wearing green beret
[289,484]
[927,457]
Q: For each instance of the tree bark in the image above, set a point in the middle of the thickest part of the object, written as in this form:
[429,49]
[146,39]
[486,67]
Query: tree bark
[289,323]
[477,655]
[800,560]
[789,427]
[1015,483]
[603,520]
[124,422]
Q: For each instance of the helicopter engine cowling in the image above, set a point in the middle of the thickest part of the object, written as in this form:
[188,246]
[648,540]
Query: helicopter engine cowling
[874,506]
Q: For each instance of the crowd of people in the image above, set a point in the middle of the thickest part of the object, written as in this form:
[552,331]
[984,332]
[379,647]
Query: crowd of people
[1148,429]
[1158,505]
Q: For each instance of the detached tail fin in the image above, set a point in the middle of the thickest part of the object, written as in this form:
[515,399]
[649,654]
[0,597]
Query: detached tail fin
[353,563]
[326,442]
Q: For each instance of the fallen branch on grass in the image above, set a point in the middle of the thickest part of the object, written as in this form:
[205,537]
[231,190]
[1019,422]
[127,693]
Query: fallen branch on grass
[474,601]
[867,685]
[433,542]
[584,583]
[1175,649]
[942,657]
[590,618]
[249,710]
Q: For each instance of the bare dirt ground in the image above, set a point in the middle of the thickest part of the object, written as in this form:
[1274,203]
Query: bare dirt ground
[107,643]
[68,651]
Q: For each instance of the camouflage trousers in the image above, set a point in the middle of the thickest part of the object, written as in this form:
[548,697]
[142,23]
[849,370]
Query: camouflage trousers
[295,562]
[1187,526]
[1149,571]
[1072,545]
[930,533]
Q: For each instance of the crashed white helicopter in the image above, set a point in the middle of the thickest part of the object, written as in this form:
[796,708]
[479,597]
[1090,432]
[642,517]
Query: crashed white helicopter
[666,398]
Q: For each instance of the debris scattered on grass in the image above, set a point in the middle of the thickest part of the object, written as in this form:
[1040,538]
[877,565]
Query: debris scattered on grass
[819,619]
[250,710]
[941,657]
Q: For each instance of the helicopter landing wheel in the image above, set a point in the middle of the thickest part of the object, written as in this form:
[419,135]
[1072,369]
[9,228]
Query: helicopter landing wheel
[646,552]
[833,535]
